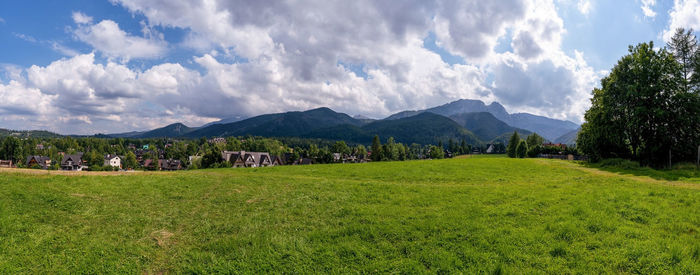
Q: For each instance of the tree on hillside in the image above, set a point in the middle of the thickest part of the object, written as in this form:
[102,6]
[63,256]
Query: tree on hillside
[521,150]
[12,150]
[361,151]
[513,144]
[376,149]
[534,140]
[641,110]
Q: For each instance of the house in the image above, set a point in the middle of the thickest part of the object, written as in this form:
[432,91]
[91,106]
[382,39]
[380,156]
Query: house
[73,162]
[247,159]
[218,140]
[559,145]
[169,164]
[42,161]
[491,149]
[305,161]
[113,161]
[6,164]
[276,160]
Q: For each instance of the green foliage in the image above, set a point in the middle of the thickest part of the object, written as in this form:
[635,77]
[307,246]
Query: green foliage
[534,140]
[513,145]
[376,149]
[130,161]
[436,152]
[521,150]
[641,111]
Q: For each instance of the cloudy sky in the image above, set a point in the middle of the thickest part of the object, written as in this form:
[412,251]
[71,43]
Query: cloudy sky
[103,66]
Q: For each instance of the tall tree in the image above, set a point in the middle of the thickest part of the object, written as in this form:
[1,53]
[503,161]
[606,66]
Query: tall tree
[534,139]
[376,149]
[513,145]
[684,46]
[521,150]
[641,110]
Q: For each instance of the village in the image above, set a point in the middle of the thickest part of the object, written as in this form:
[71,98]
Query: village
[153,157]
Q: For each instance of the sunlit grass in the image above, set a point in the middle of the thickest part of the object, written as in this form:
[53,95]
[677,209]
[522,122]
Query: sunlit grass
[479,214]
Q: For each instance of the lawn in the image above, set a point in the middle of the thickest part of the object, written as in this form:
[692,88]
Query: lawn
[470,215]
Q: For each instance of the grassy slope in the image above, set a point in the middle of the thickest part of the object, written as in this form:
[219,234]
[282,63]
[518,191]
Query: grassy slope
[473,214]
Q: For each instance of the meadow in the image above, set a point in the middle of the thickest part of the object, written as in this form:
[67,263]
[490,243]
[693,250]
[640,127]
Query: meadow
[470,215]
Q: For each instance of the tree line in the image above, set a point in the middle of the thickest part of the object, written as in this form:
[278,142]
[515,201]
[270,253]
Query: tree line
[648,107]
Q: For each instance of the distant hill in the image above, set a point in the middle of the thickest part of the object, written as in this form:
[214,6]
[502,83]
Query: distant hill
[486,126]
[29,133]
[289,124]
[547,127]
[172,130]
[224,121]
[568,138]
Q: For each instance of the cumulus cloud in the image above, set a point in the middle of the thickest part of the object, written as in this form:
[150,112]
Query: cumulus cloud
[81,18]
[647,8]
[107,38]
[295,59]
[584,6]
[684,14]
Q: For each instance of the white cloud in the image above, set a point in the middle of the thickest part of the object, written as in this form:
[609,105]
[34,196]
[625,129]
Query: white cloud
[684,14]
[293,62]
[2,20]
[107,38]
[584,6]
[81,18]
[647,8]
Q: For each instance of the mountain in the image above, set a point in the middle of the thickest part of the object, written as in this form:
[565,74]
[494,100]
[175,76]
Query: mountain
[29,133]
[424,128]
[486,126]
[172,130]
[224,121]
[132,134]
[289,124]
[568,138]
[547,127]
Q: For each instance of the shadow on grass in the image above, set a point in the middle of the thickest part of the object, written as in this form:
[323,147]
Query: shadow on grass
[628,167]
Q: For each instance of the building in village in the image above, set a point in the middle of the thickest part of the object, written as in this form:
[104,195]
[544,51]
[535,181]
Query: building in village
[249,159]
[113,161]
[73,162]
[43,162]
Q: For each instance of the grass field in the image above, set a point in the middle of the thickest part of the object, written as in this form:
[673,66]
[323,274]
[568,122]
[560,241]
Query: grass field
[471,215]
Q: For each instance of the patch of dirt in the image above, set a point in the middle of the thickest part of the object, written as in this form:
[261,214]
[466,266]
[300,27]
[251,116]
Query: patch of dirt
[251,200]
[162,237]
[77,173]
[78,195]
[598,172]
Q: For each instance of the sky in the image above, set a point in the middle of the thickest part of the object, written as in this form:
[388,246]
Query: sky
[107,66]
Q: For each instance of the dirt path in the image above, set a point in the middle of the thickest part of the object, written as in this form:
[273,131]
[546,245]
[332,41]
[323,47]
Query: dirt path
[72,173]
[598,172]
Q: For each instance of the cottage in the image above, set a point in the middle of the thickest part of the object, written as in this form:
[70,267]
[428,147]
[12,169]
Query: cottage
[248,159]
[169,164]
[113,161]
[491,149]
[73,162]
[42,162]
[6,164]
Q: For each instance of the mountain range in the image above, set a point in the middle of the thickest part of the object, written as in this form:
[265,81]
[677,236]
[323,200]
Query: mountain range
[469,120]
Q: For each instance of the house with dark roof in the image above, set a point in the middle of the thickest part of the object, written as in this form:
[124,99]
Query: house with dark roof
[248,159]
[73,162]
[43,162]
[169,164]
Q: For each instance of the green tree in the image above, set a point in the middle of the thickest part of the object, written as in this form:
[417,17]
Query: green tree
[130,161]
[360,151]
[341,147]
[534,140]
[684,47]
[521,150]
[376,149]
[641,110]
[513,145]
[436,152]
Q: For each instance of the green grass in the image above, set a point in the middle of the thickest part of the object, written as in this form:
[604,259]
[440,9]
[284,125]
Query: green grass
[473,215]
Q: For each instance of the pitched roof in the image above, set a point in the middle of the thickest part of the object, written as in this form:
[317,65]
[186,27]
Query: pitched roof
[75,158]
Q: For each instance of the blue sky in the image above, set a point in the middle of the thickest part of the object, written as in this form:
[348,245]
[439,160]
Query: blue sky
[108,66]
